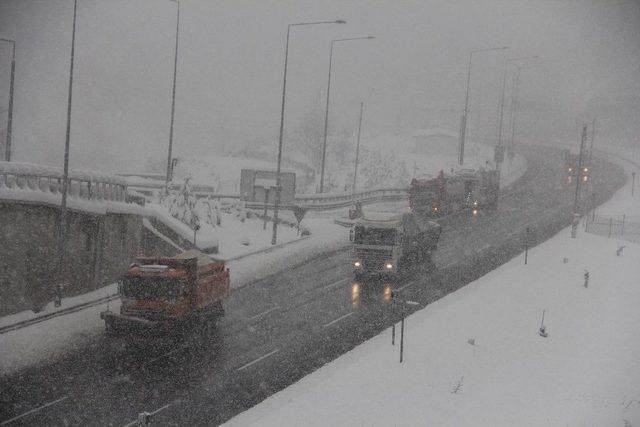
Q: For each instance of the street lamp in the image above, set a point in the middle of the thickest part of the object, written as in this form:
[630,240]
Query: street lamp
[173,100]
[326,112]
[463,125]
[504,84]
[7,155]
[284,91]
[64,226]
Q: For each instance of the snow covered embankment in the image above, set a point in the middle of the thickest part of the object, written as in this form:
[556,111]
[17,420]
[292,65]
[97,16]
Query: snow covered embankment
[474,358]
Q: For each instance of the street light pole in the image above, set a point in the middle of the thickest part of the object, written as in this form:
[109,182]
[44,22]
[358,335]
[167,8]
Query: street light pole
[504,85]
[173,101]
[355,170]
[7,155]
[64,225]
[326,111]
[276,203]
[514,106]
[463,125]
[576,198]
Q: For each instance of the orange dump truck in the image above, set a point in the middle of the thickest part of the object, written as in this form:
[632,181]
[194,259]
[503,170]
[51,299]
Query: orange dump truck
[161,294]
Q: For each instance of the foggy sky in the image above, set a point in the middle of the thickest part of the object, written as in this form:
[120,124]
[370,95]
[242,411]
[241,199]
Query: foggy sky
[231,61]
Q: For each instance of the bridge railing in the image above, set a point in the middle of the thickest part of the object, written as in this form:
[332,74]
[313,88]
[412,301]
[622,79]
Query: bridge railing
[310,201]
[82,185]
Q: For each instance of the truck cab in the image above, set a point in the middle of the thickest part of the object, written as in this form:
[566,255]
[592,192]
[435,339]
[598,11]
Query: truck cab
[160,294]
[387,243]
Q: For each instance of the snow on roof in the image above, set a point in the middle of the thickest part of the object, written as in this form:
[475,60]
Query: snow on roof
[19,168]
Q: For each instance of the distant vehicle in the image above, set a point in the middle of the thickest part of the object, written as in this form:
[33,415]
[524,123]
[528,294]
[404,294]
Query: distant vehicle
[389,243]
[162,294]
[467,189]
[571,168]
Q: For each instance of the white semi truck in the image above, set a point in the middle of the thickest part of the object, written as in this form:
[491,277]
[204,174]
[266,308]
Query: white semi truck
[388,243]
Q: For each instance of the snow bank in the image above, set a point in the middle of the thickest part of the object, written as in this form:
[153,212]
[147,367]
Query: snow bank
[586,372]
[51,339]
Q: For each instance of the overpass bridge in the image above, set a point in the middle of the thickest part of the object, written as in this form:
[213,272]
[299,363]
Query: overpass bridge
[105,233]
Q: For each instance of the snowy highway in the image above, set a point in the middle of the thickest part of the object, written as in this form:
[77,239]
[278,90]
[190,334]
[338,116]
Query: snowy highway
[287,325]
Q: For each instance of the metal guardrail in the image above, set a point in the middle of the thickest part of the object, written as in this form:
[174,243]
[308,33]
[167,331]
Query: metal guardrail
[309,201]
[82,185]
[616,226]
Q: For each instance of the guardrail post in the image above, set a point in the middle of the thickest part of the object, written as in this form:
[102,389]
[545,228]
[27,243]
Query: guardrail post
[610,225]
[624,216]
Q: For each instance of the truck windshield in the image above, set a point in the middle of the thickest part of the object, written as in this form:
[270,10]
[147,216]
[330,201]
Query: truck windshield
[151,287]
[374,236]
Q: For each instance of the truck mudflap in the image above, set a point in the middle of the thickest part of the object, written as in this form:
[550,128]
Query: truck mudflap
[122,324]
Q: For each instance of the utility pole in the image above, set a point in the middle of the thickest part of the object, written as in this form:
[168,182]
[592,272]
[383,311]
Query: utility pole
[463,121]
[355,170]
[514,107]
[526,246]
[576,214]
[173,102]
[499,157]
[7,155]
[63,228]
[593,136]
[326,111]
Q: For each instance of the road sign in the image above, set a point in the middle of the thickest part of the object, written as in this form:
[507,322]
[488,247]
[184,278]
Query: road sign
[260,185]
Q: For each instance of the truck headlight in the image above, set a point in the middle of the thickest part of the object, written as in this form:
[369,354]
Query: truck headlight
[357,264]
[389,266]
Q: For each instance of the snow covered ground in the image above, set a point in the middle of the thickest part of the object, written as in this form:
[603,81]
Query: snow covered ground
[474,358]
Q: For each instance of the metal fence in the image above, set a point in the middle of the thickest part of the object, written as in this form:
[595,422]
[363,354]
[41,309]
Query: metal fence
[616,226]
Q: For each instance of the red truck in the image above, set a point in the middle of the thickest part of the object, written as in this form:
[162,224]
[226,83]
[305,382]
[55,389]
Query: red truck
[452,193]
[162,294]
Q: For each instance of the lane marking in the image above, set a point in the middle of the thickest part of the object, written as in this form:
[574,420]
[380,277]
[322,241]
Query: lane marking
[411,303]
[137,422]
[257,360]
[4,423]
[259,315]
[331,285]
[167,354]
[338,319]
[407,285]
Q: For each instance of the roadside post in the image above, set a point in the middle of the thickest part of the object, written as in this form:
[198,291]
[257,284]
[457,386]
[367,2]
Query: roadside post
[266,201]
[299,212]
[633,182]
[402,336]
[394,299]
[196,226]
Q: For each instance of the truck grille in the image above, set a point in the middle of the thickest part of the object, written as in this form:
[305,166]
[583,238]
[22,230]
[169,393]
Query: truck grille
[373,259]
[145,313]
